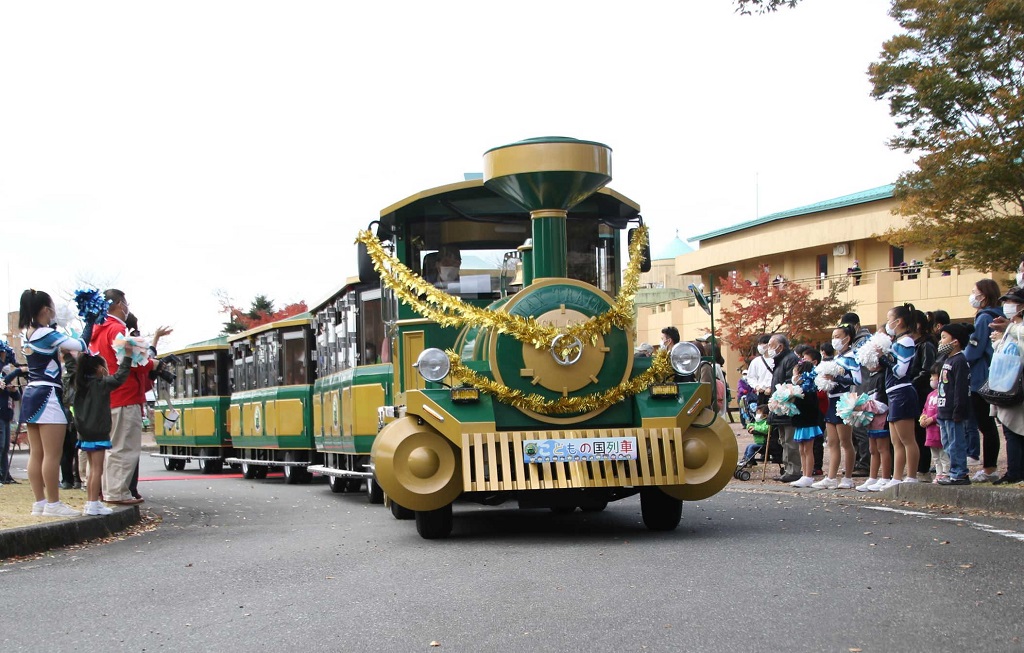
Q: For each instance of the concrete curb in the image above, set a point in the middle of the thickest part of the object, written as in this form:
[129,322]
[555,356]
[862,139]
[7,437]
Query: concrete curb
[43,537]
[970,497]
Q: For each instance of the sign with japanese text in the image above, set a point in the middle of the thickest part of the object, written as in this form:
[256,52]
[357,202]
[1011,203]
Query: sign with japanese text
[579,450]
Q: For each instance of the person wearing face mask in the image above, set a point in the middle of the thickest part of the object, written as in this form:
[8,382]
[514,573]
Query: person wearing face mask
[759,372]
[449,260]
[839,436]
[1011,417]
[930,422]
[904,409]
[954,400]
[785,360]
[982,434]
[861,440]
[920,373]
[42,408]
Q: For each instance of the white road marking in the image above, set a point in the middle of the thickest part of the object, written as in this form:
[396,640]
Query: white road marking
[1013,535]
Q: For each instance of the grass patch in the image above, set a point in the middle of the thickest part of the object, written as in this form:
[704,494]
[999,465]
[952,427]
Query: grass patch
[16,504]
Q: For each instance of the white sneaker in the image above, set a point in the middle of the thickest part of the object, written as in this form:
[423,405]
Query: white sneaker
[826,484]
[981,477]
[880,485]
[803,481]
[892,482]
[910,479]
[59,510]
[866,485]
[96,508]
[37,507]
[846,483]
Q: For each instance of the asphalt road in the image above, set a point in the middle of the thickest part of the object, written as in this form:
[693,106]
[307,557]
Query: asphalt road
[245,565]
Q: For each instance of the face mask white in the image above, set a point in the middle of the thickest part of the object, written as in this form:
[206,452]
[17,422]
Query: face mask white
[837,343]
[770,353]
[1011,310]
[974,300]
[934,383]
[889,329]
[761,349]
[448,273]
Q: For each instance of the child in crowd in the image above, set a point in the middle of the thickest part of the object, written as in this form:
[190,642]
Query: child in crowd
[880,467]
[758,427]
[904,408]
[93,385]
[930,422]
[806,422]
[954,400]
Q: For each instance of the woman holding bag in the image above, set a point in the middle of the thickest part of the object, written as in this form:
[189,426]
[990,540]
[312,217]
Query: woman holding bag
[1004,332]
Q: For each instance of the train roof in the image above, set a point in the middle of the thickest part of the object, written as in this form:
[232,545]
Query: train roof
[472,198]
[350,283]
[220,342]
[301,319]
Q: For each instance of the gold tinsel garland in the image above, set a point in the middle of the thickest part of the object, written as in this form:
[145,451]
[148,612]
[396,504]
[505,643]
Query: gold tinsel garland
[659,369]
[450,311]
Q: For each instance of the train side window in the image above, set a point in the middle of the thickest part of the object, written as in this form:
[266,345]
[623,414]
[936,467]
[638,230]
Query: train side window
[294,371]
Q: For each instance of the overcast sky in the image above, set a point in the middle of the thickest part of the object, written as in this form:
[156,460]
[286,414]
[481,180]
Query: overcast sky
[173,149]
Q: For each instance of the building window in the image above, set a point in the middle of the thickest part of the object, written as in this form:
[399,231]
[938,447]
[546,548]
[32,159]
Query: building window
[822,270]
[895,256]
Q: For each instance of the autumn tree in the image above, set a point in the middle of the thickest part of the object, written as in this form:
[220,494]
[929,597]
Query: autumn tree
[954,80]
[761,305]
[261,311]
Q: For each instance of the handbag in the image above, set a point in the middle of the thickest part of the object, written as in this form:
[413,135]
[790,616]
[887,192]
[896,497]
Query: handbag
[1005,385]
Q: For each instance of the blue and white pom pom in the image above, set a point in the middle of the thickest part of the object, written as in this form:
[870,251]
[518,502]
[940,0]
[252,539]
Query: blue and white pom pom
[6,348]
[92,306]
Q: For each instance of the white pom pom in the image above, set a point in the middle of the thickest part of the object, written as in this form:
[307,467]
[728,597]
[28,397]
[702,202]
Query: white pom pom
[64,314]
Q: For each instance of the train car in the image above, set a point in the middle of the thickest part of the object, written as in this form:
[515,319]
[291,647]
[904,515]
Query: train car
[529,391]
[190,419]
[271,407]
[354,379]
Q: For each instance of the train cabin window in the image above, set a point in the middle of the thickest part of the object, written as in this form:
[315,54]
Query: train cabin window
[294,370]
[207,375]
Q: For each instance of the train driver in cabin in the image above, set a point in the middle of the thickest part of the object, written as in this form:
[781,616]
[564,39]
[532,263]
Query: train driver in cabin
[441,268]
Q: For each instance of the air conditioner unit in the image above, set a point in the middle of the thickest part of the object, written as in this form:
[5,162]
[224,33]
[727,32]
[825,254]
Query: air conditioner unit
[842,249]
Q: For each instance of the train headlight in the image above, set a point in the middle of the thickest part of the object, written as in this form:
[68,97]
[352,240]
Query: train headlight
[433,364]
[685,358]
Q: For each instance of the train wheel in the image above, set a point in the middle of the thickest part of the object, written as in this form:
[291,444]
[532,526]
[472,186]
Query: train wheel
[434,524]
[355,484]
[373,491]
[249,471]
[337,484]
[169,464]
[660,511]
[291,475]
[211,466]
[179,465]
[261,471]
[401,513]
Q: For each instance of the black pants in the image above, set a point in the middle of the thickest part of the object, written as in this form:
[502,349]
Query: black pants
[987,428]
[69,457]
[1014,455]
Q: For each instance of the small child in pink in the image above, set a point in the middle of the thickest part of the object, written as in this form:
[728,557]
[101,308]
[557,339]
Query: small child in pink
[929,420]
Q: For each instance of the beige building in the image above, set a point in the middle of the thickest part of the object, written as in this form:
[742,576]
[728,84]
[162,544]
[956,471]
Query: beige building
[817,245]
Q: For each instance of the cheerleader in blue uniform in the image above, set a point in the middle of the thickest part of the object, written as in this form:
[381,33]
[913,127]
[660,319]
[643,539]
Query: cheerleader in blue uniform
[904,408]
[839,436]
[41,405]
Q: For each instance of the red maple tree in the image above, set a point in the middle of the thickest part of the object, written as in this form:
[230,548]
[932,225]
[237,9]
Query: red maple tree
[763,305]
[261,312]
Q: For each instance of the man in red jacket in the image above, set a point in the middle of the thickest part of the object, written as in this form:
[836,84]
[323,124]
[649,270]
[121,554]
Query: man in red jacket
[127,403]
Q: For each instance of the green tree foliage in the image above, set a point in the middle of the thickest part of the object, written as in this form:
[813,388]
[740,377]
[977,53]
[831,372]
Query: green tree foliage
[954,80]
[762,6]
[762,305]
